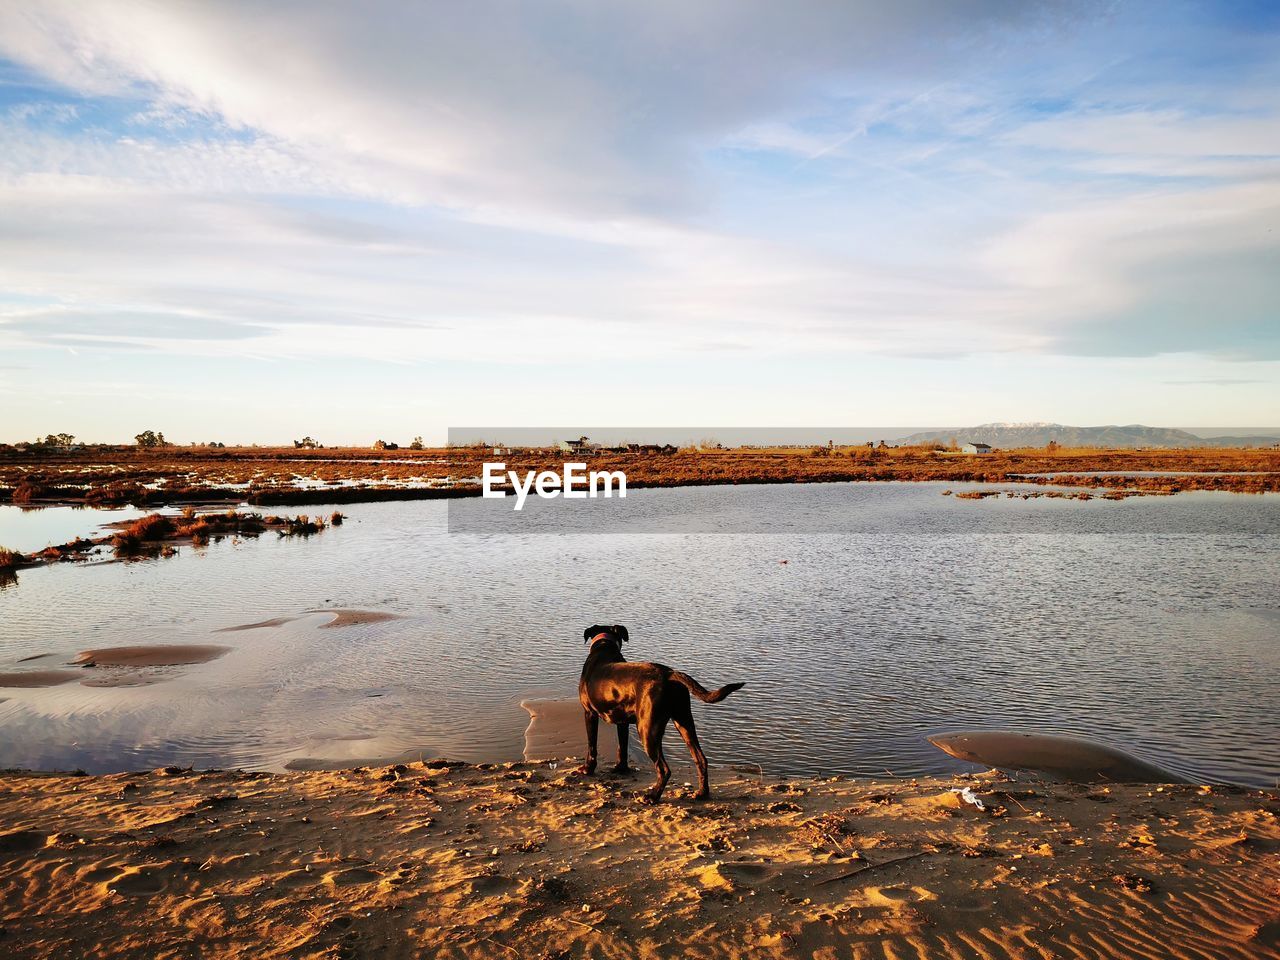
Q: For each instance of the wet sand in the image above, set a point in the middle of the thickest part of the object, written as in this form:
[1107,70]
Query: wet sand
[1062,758]
[261,624]
[351,618]
[133,666]
[522,860]
[342,617]
[37,678]
[344,752]
[151,655]
[556,730]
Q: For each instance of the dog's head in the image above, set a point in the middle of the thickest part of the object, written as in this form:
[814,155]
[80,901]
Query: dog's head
[615,634]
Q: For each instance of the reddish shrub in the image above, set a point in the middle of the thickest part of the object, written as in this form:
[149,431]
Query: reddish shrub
[27,491]
[150,528]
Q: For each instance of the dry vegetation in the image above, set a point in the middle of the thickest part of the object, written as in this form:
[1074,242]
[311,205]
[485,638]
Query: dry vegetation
[1222,469]
[158,535]
[114,477]
[267,476]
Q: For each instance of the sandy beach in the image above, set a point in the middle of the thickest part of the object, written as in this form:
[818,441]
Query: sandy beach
[531,860]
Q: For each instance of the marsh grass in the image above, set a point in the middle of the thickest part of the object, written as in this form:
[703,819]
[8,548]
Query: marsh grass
[29,491]
[143,534]
[291,476]
[156,534]
[299,526]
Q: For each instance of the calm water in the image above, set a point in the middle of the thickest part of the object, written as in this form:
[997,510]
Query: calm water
[33,528]
[1151,623]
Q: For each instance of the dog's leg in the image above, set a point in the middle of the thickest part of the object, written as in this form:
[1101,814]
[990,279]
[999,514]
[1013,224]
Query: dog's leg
[622,765]
[689,733]
[593,729]
[651,736]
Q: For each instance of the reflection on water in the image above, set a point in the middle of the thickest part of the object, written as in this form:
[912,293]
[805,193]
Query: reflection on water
[27,529]
[924,615]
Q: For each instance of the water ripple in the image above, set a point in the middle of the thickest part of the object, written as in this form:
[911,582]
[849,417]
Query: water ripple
[858,646]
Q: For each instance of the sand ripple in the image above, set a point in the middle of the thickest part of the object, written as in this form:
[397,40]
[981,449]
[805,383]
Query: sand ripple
[458,862]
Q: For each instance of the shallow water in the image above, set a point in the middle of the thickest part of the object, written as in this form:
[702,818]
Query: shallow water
[1149,623]
[28,529]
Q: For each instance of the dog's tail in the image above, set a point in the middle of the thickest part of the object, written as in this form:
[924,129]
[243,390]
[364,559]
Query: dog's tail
[701,692]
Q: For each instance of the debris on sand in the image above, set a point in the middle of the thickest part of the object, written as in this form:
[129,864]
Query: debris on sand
[467,861]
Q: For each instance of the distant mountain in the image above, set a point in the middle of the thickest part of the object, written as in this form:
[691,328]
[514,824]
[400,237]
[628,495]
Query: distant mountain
[1007,435]
[1251,441]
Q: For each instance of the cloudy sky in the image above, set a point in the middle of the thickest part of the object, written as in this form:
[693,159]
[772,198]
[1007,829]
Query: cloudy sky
[250,221]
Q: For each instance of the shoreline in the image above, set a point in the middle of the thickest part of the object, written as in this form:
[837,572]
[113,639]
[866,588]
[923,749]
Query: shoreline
[1081,487]
[445,859]
[274,477]
[159,535]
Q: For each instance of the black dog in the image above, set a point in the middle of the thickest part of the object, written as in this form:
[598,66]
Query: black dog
[646,694]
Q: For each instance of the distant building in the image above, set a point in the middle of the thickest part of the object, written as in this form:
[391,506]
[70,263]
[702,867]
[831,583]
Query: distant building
[979,448]
[641,448]
[580,446]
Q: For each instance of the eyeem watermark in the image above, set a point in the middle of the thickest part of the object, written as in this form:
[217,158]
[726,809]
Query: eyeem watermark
[573,484]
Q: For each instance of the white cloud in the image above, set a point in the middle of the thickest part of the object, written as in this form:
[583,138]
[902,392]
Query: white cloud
[1156,133]
[591,108]
[1163,271]
[533,184]
[301,283]
[1164,143]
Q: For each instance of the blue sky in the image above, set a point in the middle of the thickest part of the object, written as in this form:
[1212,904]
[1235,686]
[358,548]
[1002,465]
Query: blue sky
[251,221]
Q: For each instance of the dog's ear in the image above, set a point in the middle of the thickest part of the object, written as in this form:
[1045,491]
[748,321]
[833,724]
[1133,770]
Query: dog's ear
[621,631]
[590,632]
